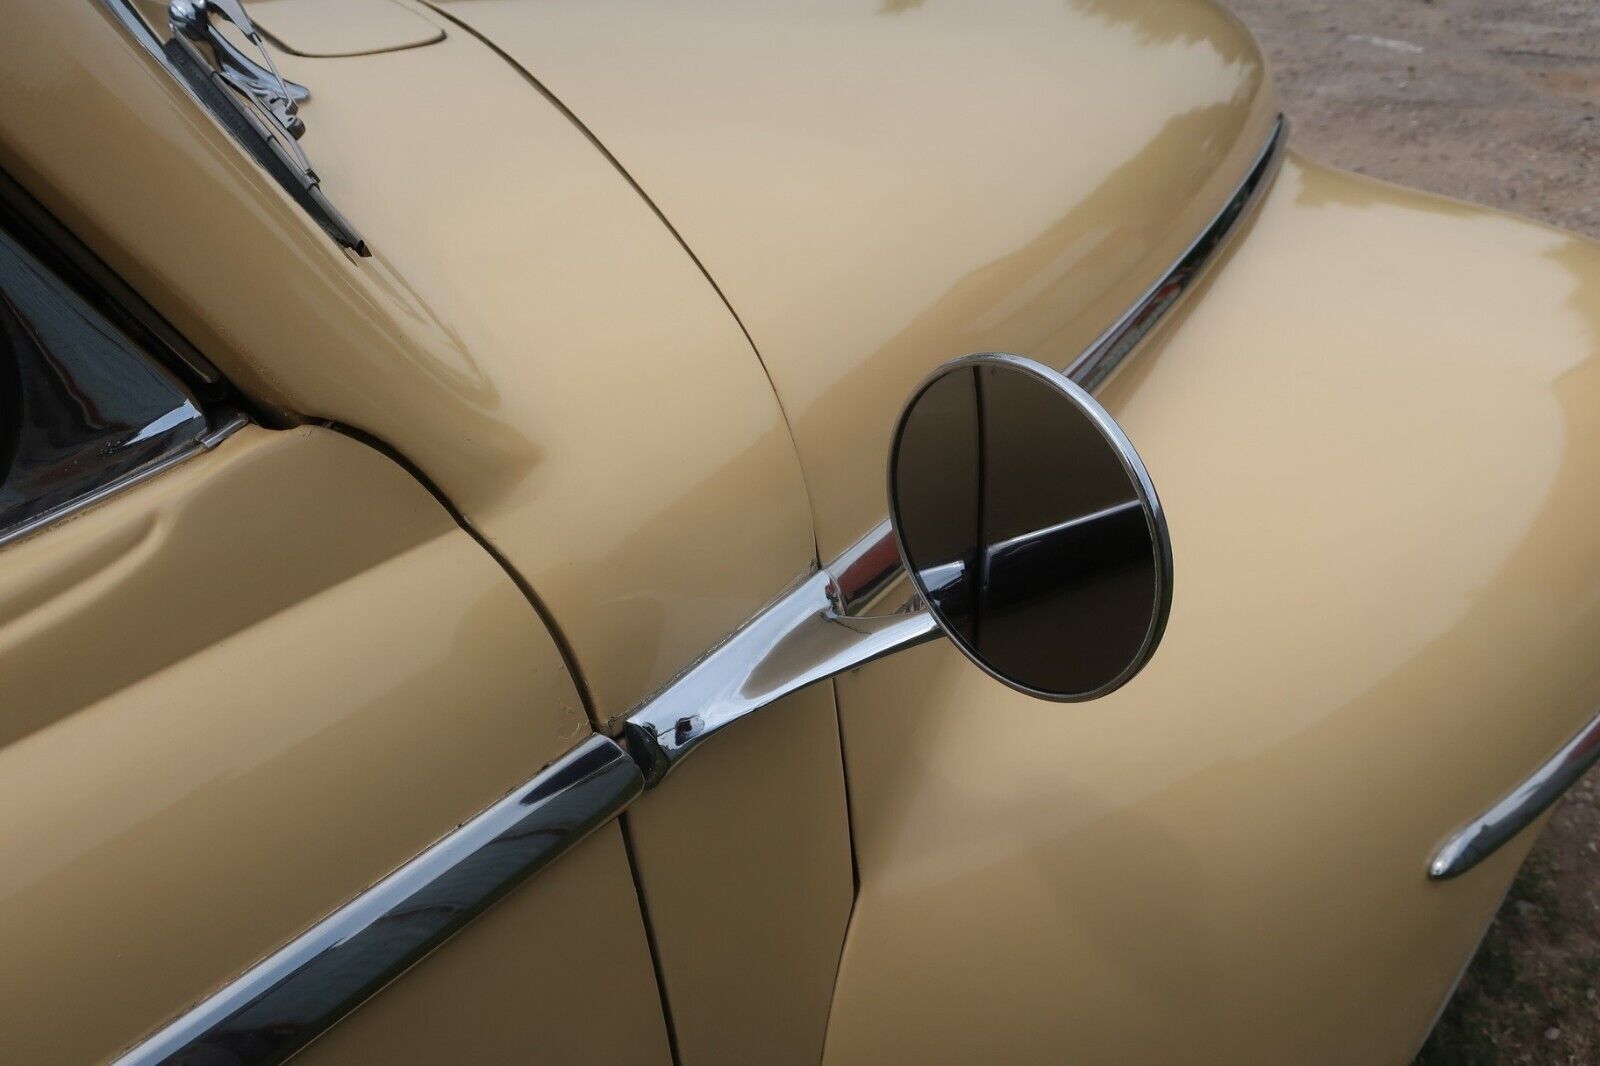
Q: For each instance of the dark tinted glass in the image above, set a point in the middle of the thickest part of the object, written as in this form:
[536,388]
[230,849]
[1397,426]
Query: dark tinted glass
[80,404]
[1026,531]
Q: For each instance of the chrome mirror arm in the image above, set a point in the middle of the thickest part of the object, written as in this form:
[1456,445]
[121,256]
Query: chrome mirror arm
[798,640]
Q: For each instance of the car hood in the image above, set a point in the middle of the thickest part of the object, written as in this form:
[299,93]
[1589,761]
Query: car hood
[878,186]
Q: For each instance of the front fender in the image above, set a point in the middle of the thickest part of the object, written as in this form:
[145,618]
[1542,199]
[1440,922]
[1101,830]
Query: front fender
[1376,432]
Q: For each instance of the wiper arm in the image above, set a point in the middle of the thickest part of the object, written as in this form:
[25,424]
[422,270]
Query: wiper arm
[278,96]
[259,107]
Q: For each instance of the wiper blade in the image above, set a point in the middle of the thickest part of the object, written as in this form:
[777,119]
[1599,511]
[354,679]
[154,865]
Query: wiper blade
[253,101]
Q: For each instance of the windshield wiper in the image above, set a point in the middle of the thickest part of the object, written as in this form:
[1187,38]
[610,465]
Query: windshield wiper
[256,104]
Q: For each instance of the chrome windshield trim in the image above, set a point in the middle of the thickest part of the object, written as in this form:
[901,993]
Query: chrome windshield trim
[870,565]
[1492,829]
[138,476]
[89,408]
[283,1002]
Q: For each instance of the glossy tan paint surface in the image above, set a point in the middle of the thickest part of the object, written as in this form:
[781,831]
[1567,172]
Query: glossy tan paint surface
[342,27]
[1377,440]
[1371,435]
[879,187]
[745,862]
[237,695]
[518,985]
[526,331]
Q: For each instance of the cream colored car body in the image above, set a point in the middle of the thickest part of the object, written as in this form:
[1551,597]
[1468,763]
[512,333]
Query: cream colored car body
[648,286]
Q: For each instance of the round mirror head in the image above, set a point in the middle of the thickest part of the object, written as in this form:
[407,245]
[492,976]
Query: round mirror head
[1030,527]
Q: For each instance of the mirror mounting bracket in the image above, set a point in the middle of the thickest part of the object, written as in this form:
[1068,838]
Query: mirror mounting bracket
[799,639]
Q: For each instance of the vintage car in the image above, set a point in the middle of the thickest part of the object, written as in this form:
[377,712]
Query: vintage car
[429,422]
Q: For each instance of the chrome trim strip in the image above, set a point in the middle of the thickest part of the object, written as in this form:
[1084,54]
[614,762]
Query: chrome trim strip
[283,1002]
[800,639]
[871,564]
[1102,358]
[1488,832]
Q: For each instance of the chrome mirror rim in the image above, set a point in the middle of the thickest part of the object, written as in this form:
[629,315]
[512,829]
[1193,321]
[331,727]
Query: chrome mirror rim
[1132,464]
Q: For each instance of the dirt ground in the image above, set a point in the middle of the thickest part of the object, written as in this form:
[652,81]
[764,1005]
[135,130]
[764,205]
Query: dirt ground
[1496,101]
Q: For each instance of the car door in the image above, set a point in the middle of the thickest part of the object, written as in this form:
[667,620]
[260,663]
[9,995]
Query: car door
[533,343]
[245,674]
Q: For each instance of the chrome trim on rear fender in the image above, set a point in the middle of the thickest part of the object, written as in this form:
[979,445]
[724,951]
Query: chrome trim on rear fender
[869,565]
[1108,351]
[286,1000]
[1488,832]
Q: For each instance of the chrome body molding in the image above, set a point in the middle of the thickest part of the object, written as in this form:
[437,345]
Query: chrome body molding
[1102,358]
[1488,832]
[802,638]
[870,565]
[283,1002]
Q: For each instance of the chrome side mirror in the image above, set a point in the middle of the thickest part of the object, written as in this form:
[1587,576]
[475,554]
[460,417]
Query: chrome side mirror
[1030,527]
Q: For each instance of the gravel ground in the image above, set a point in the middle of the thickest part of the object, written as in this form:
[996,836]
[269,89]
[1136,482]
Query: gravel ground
[1496,101]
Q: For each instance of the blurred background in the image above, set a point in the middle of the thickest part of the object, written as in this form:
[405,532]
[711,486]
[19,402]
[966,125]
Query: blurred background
[1495,101]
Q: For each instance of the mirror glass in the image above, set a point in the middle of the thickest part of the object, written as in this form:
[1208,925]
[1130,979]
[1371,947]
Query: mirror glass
[1030,526]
